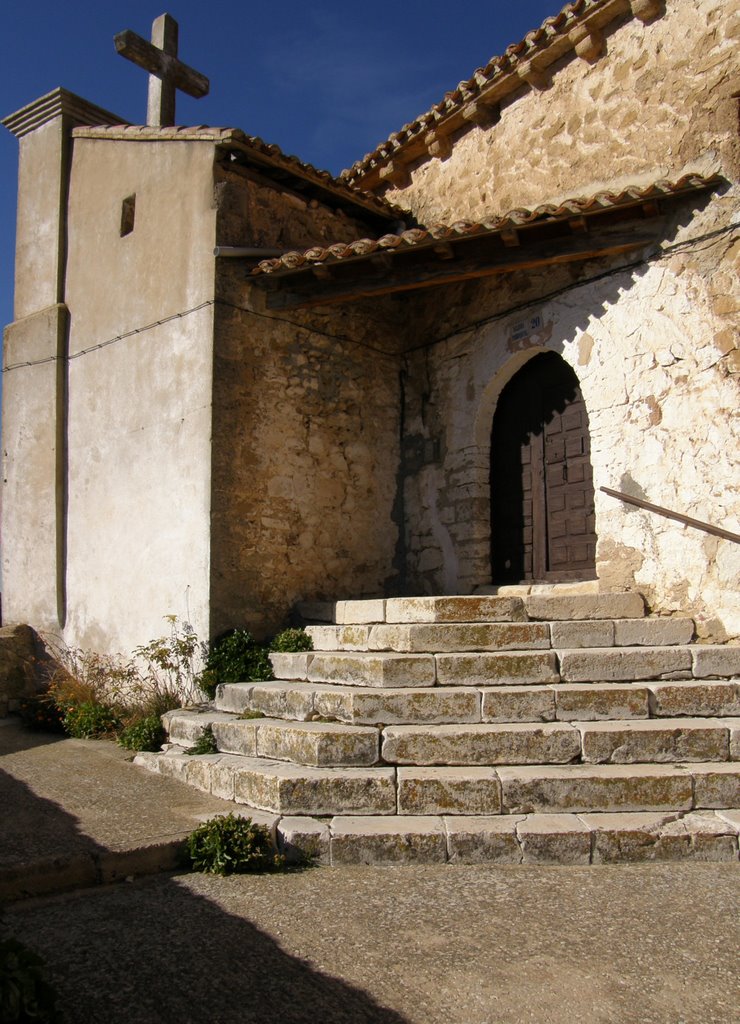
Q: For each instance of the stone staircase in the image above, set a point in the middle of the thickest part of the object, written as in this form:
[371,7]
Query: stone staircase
[553,727]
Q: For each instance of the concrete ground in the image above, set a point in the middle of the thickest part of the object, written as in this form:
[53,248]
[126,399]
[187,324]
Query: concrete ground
[649,943]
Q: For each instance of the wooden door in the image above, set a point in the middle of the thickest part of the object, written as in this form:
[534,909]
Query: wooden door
[542,500]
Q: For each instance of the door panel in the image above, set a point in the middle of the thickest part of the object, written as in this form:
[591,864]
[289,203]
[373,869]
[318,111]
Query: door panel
[542,502]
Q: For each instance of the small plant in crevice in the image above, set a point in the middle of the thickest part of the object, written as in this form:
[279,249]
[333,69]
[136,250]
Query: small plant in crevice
[205,744]
[291,641]
[26,995]
[228,844]
[235,657]
[251,713]
[146,733]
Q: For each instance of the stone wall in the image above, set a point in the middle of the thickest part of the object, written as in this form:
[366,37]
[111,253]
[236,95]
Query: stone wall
[653,348]
[658,101]
[305,430]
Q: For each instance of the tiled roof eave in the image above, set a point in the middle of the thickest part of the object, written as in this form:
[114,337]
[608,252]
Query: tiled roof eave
[514,223]
[578,27]
[253,150]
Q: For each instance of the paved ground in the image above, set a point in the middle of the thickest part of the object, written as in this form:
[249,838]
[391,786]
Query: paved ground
[638,944]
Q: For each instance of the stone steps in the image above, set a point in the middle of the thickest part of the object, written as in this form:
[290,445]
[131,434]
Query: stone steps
[284,788]
[550,725]
[335,744]
[566,702]
[552,605]
[508,668]
[434,638]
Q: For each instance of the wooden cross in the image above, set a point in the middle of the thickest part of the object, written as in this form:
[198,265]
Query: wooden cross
[166,72]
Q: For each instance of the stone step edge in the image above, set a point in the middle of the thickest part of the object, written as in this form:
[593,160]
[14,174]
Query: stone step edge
[576,839]
[236,698]
[707,791]
[566,665]
[400,638]
[484,607]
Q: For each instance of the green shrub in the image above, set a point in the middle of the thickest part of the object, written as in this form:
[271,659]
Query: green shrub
[25,994]
[145,733]
[89,720]
[292,641]
[229,845]
[205,744]
[236,657]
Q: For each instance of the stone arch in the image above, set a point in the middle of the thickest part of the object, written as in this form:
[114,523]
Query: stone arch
[542,520]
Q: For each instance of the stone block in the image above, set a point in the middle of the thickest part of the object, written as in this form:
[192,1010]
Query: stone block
[294,789]
[653,632]
[656,740]
[382,670]
[552,607]
[173,764]
[468,636]
[388,840]
[477,608]
[236,736]
[186,727]
[222,776]
[339,638]
[716,785]
[715,660]
[594,702]
[731,816]
[283,700]
[448,791]
[499,669]
[576,788]
[301,839]
[583,633]
[518,704]
[233,697]
[734,727]
[319,744]
[483,840]
[433,705]
[554,839]
[198,771]
[595,665]
[647,837]
[693,698]
[359,612]
[523,743]
[291,666]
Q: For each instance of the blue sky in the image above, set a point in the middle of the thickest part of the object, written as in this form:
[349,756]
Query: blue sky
[325,80]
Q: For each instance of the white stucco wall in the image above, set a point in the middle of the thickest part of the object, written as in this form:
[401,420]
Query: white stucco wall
[139,408]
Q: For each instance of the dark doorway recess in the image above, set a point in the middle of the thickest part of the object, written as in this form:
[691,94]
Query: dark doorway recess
[542,494]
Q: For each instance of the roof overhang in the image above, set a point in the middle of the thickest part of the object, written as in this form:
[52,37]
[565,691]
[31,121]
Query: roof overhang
[607,224]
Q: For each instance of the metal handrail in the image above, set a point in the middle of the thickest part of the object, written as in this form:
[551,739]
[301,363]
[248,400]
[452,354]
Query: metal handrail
[686,520]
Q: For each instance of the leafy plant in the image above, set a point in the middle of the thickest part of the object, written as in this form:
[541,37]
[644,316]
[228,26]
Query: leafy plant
[25,993]
[292,641]
[171,666]
[236,657]
[229,845]
[145,733]
[250,713]
[89,720]
[205,744]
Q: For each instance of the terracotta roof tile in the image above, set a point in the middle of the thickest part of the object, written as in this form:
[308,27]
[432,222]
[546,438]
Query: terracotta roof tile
[518,218]
[502,74]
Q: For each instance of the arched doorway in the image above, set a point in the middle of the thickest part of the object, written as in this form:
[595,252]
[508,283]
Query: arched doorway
[542,496]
